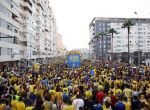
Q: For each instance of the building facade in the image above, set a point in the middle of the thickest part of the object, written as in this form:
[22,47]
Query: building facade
[27,30]
[139,35]
[59,46]
[84,53]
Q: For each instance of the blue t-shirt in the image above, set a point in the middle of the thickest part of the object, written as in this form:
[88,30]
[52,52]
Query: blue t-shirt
[65,97]
[120,106]
[92,72]
[97,107]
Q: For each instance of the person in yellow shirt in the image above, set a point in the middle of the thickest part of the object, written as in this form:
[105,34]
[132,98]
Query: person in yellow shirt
[47,105]
[2,106]
[20,105]
[68,105]
[118,91]
[88,93]
[127,104]
[13,103]
[31,88]
[128,92]
[30,106]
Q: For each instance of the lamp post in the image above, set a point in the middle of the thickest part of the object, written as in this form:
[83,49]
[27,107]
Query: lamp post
[139,58]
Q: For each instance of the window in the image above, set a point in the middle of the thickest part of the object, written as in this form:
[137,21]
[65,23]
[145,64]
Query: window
[140,37]
[3,24]
[118,50]
[9,26]
[3,9]
[118,41]
[118,36]
[142,41]
[9,2]
[6,51]
[10,39]
[118,45]
[15,30]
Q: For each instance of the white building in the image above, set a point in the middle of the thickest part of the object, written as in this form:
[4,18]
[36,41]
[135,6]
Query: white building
[27,30]
[84,53]
[139,35]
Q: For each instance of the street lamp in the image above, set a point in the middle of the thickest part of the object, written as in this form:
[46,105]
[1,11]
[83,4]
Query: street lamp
[139,58]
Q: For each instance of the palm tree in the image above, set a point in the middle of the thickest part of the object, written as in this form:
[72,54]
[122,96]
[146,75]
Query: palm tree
[91,43]
[127,24]
[112,31]
[97,45]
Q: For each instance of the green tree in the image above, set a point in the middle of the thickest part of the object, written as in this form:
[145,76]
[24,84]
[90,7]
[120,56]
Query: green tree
[127,24]
[96,40]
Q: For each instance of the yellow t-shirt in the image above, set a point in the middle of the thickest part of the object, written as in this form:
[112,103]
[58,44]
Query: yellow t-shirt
[68,107]
[20,106]
[17,87]
[52,92]
[13,79]
[127,105]
[13,104]
[88,94]
[66,89]
[118,91]
[29,108]
[101,87]
[128,92]
[117,82]
[2,106]
[31,88]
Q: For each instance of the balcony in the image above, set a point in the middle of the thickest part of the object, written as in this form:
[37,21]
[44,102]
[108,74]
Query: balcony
[26,3]
[39,3]
[4,58]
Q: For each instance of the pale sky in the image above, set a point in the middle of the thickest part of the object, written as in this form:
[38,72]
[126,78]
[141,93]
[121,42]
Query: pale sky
[74,16]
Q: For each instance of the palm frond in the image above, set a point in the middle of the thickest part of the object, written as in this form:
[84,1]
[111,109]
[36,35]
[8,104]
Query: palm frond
[128,23]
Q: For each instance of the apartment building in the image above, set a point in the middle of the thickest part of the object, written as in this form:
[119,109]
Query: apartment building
[139,35]
[27,30]
[59,46]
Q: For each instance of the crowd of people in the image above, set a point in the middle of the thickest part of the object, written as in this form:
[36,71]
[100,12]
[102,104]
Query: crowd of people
[100,85]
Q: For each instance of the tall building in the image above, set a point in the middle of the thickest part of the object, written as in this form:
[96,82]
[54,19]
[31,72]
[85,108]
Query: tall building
[139,35]
[59,45]
[84,53]
[27,30]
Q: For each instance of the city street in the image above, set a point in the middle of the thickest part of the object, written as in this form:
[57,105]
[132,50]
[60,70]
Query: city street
[74,55]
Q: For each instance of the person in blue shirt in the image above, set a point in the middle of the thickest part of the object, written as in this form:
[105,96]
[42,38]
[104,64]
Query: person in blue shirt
[97,106]
[120,105]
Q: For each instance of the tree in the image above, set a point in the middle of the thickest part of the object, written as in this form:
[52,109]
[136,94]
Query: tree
[96,45]
[127,24]
[112,31]
[91,44]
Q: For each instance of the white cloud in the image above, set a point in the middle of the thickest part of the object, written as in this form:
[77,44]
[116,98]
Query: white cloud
[74,16]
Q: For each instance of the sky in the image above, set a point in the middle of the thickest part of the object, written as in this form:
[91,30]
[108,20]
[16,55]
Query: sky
[74,16]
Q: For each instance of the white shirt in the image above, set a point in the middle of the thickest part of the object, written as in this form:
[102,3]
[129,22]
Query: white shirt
[78,103]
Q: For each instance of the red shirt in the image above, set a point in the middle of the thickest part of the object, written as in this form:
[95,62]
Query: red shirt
[100,96]
[113,100]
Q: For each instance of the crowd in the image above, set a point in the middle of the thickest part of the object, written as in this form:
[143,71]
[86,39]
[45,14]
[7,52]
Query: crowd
[101,85]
